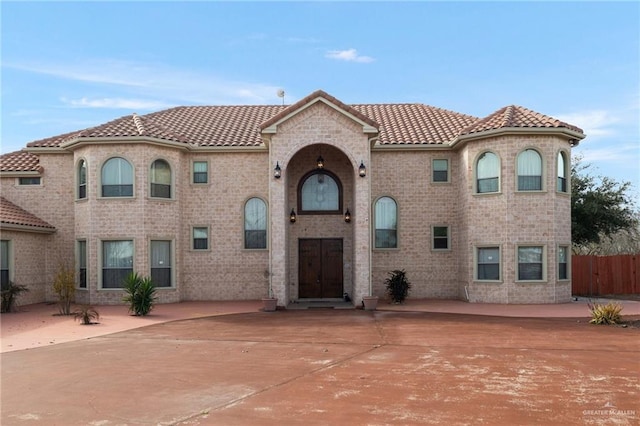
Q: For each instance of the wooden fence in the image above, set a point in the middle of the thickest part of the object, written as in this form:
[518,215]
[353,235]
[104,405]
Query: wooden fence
[605,275]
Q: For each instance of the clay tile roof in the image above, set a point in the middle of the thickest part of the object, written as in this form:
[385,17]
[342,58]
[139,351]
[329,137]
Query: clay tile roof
[415,123]
[10,214]
[517,116]
[240,125]
[311,98]
[20,161]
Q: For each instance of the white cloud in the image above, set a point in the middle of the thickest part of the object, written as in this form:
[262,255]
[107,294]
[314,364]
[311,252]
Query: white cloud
[165,84]
[612,154]
[349,55]
[595,123]
[116,103]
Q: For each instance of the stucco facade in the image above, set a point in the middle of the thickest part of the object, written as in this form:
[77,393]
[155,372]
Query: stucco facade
[442,230]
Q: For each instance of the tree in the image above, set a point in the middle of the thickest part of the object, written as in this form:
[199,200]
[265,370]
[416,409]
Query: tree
[600,207]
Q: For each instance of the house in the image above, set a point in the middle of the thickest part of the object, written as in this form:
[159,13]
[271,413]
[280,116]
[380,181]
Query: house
[307,201]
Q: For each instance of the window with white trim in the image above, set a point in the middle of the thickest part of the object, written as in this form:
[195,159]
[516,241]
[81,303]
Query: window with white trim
[386,223]
[117,262]
[200,237]
[160,179]
[563,262]
[487,173]
[255,224]
[161,271]
[562,173]
[200,172]
[530,263]
[529,170]
[488,263]
[440,170]
[117,178]
[440,238]
[82,180]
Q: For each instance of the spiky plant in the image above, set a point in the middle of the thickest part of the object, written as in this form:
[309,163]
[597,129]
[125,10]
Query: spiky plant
[140,294]
[605,314]
[86,314]
[10,292]
[397,285]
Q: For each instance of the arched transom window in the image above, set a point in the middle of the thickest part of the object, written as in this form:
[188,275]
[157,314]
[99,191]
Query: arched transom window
[82,179]
[117,178]
[320,192]
[488,173]
[160,179]
[255,224]
[529,171]
[386,220]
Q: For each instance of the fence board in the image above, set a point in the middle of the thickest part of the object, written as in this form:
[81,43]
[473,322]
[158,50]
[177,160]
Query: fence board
[605,275]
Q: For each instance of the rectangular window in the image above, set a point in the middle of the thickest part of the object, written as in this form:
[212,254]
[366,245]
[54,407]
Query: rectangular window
[117,262]
[159,190]
[200,238]
[29,181]
[82,264]
[488,185]
[117,190]
[488,266]
[161,263]
[529,183]
[4,264]
[440,170]
[200,172]
[563,257]
[530,264]
[562,184]
[440,237]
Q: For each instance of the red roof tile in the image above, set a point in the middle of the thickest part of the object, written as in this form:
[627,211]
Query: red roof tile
[517,116]
[240,125]
[20,161]
[10,214]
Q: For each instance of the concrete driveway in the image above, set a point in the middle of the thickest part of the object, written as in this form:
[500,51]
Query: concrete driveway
[331,367]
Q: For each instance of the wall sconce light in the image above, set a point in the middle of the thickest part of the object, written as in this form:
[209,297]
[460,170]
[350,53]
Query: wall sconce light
[347,216]
[277,172]
[320,162]
[292,216]
[362,170]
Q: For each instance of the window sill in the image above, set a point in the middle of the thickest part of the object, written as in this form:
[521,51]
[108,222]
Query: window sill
[536,191]
[477,281]
[531,281]
[487,194]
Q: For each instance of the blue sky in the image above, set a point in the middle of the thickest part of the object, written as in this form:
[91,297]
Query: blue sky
[71,65]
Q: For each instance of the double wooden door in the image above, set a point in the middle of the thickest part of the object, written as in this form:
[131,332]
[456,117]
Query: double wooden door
[320,268]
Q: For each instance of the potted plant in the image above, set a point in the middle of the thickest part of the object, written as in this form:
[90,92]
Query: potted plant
[270,302]
[370,303]
[397,285]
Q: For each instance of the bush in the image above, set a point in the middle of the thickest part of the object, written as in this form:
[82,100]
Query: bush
[86,314]
[140,294]
[64,287]
[605,314]
[10,292]
[397,286]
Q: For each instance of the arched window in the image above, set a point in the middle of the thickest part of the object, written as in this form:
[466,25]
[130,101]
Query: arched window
[255,224]
[386,220]
[82,179]
[320,192]
[487,173]
[562,172]
[117,178]
[529,171]
[160,179]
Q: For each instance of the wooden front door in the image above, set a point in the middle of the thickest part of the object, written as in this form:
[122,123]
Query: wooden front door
[320,268]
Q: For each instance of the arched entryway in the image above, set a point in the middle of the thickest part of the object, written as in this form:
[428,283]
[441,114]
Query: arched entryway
[320,241]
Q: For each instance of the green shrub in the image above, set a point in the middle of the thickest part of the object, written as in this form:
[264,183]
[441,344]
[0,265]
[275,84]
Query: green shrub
[397,285]
[10,292]
[140,294]
[64,286]
[605,314]
[86,314]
